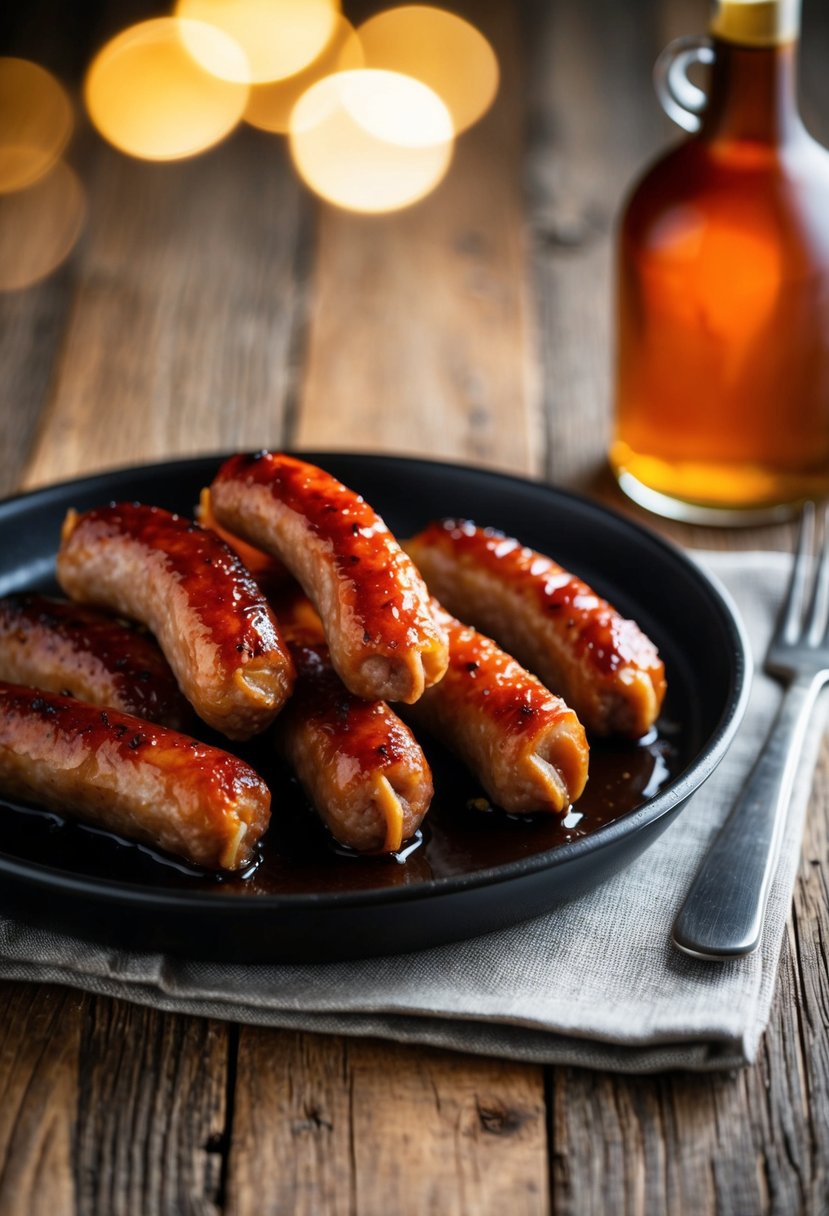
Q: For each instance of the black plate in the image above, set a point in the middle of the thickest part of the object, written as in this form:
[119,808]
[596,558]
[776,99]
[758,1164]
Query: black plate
[474,870]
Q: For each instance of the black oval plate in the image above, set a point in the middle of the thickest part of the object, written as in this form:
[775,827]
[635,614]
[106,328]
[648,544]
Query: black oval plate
[472,872]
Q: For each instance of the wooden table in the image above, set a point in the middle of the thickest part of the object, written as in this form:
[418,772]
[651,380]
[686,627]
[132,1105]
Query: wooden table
[212,306]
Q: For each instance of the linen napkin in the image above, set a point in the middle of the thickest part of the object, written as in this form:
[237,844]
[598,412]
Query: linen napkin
[594,983]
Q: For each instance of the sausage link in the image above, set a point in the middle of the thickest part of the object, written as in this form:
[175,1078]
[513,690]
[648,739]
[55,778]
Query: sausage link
[359,764]
[212,622]
[271,576]
[523,743]
[603,665]
[382,637]
[83,653]
[131,777]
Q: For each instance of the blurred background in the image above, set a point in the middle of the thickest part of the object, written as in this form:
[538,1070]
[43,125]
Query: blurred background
[203,249]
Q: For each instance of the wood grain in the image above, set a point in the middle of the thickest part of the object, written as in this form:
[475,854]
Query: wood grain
[420,338]
[346,1127]
[181,333]
[443,1133]
[582,158]
[40,1034]
[291,1126]
[32,322]
[151,1115]
[31,328]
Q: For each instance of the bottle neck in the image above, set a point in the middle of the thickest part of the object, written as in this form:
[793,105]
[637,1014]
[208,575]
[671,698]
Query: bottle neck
[752,93]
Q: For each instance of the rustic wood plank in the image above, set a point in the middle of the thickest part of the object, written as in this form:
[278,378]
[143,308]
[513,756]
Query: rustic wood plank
[181,336]
[291,1149]
[443,1133]
[668,1144]
[346,1127]
[151,1117]
[794,1079]
[31,325]
[32,322]
[810,958]
[420,328]
[108,1108]
[40,1034]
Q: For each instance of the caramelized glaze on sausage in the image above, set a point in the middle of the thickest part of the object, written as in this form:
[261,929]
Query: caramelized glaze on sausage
[84,653]
[525,745]
[131,777]
[212,623]
[603,665]
[374,606]
[360,765]
[271,576]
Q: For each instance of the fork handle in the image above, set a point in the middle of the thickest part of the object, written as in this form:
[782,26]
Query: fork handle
[722,917]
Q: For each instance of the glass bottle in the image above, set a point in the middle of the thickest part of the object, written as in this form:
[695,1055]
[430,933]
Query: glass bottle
[722,371]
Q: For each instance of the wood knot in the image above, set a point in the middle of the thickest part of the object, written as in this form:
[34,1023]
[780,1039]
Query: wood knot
[497,1120]
[314,1121]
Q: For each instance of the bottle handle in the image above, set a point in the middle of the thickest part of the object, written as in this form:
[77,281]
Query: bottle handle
[680,98]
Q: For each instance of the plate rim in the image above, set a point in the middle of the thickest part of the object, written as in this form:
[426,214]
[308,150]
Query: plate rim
[669,799]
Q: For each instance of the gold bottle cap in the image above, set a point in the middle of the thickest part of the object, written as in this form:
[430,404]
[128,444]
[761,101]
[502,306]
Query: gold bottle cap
[756,22]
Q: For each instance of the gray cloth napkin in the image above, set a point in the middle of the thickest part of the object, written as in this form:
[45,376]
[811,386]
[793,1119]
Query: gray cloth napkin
[595,983]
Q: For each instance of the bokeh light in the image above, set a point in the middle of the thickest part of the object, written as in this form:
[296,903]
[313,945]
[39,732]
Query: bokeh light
[278,37]
[441,50]
[150,98]
[39,227]
[35,122]
[371,141]
[269,106]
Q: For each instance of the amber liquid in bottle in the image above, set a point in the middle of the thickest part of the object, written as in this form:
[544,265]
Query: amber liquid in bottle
[722,378]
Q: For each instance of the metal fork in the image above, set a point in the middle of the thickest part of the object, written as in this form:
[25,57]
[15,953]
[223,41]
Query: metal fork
[722,917]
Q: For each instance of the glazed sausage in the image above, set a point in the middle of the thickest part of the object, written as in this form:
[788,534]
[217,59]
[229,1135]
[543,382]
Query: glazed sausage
[271,576]
[212,622]
[358,763]
[383,641]
[125,775]
[524,744]
[603,665]
[83,653]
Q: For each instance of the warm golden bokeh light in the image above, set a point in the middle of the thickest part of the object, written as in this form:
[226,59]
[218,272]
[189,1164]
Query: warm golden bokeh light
[270,105]
[371,141]
[441,50]
[278,37]
[150,98]
[35,122]
[39,227]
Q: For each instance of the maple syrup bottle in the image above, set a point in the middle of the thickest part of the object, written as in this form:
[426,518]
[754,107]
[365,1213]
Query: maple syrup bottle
[722,372]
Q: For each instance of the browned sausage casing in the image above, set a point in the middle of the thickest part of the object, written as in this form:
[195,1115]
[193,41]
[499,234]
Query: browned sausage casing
[212,622]
[131,777]
[603,665]
[81,652]
[358,763]
[270,574]
[383,640]
[524,744]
